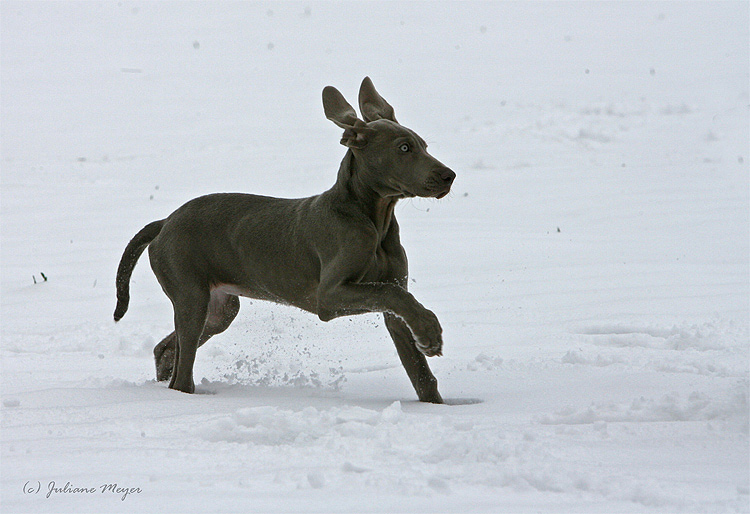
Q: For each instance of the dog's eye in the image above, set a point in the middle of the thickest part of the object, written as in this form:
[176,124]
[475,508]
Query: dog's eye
[404,147]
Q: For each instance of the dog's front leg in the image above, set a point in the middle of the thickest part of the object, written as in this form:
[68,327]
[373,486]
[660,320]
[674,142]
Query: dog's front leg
[414,362]
[343,299]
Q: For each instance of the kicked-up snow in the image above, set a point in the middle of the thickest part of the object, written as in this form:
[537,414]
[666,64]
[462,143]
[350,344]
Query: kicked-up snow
[590,269]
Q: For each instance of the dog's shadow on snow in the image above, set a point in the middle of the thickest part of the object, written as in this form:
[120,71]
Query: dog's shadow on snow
[219,388]
[449,402]
[462,401]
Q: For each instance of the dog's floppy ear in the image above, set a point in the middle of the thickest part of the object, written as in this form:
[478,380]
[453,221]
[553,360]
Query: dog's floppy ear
[338,110]
[372,105]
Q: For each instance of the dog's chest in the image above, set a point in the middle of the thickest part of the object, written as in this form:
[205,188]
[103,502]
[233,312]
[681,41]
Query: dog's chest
[385,267]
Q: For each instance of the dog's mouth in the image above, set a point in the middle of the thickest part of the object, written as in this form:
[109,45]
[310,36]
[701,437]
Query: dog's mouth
[435,193]
[440,182]
[434,188]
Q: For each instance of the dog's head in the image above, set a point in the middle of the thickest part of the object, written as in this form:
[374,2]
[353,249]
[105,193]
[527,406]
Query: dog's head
[393,157]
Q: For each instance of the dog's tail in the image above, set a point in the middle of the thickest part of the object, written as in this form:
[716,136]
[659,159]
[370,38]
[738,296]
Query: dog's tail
[132,252]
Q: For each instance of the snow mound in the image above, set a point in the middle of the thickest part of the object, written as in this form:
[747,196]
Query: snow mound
[697,406]
[710,335]
[273,426]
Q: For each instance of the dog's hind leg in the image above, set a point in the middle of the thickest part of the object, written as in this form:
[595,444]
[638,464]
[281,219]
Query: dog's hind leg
[222,309]
[190,313]
[414,361]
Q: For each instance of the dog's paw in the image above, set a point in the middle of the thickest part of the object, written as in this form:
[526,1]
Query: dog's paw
[164,365]
[429,340]
[432,348]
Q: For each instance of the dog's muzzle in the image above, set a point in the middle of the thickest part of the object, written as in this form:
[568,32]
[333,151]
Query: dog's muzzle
[446,178]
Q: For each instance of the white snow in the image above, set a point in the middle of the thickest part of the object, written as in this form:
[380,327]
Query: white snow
[591,267]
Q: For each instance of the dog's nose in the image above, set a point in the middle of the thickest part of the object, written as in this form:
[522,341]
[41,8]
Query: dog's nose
[447,175]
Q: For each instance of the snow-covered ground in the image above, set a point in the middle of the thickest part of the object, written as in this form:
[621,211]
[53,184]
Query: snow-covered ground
[590,268]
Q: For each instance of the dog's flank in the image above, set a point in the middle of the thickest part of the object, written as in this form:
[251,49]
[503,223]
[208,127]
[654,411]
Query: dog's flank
[334,254]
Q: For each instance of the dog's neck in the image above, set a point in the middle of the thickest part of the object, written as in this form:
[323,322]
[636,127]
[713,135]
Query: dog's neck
[378,207]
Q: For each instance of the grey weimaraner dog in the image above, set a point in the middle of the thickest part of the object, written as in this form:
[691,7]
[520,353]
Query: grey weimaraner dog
[335,254]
